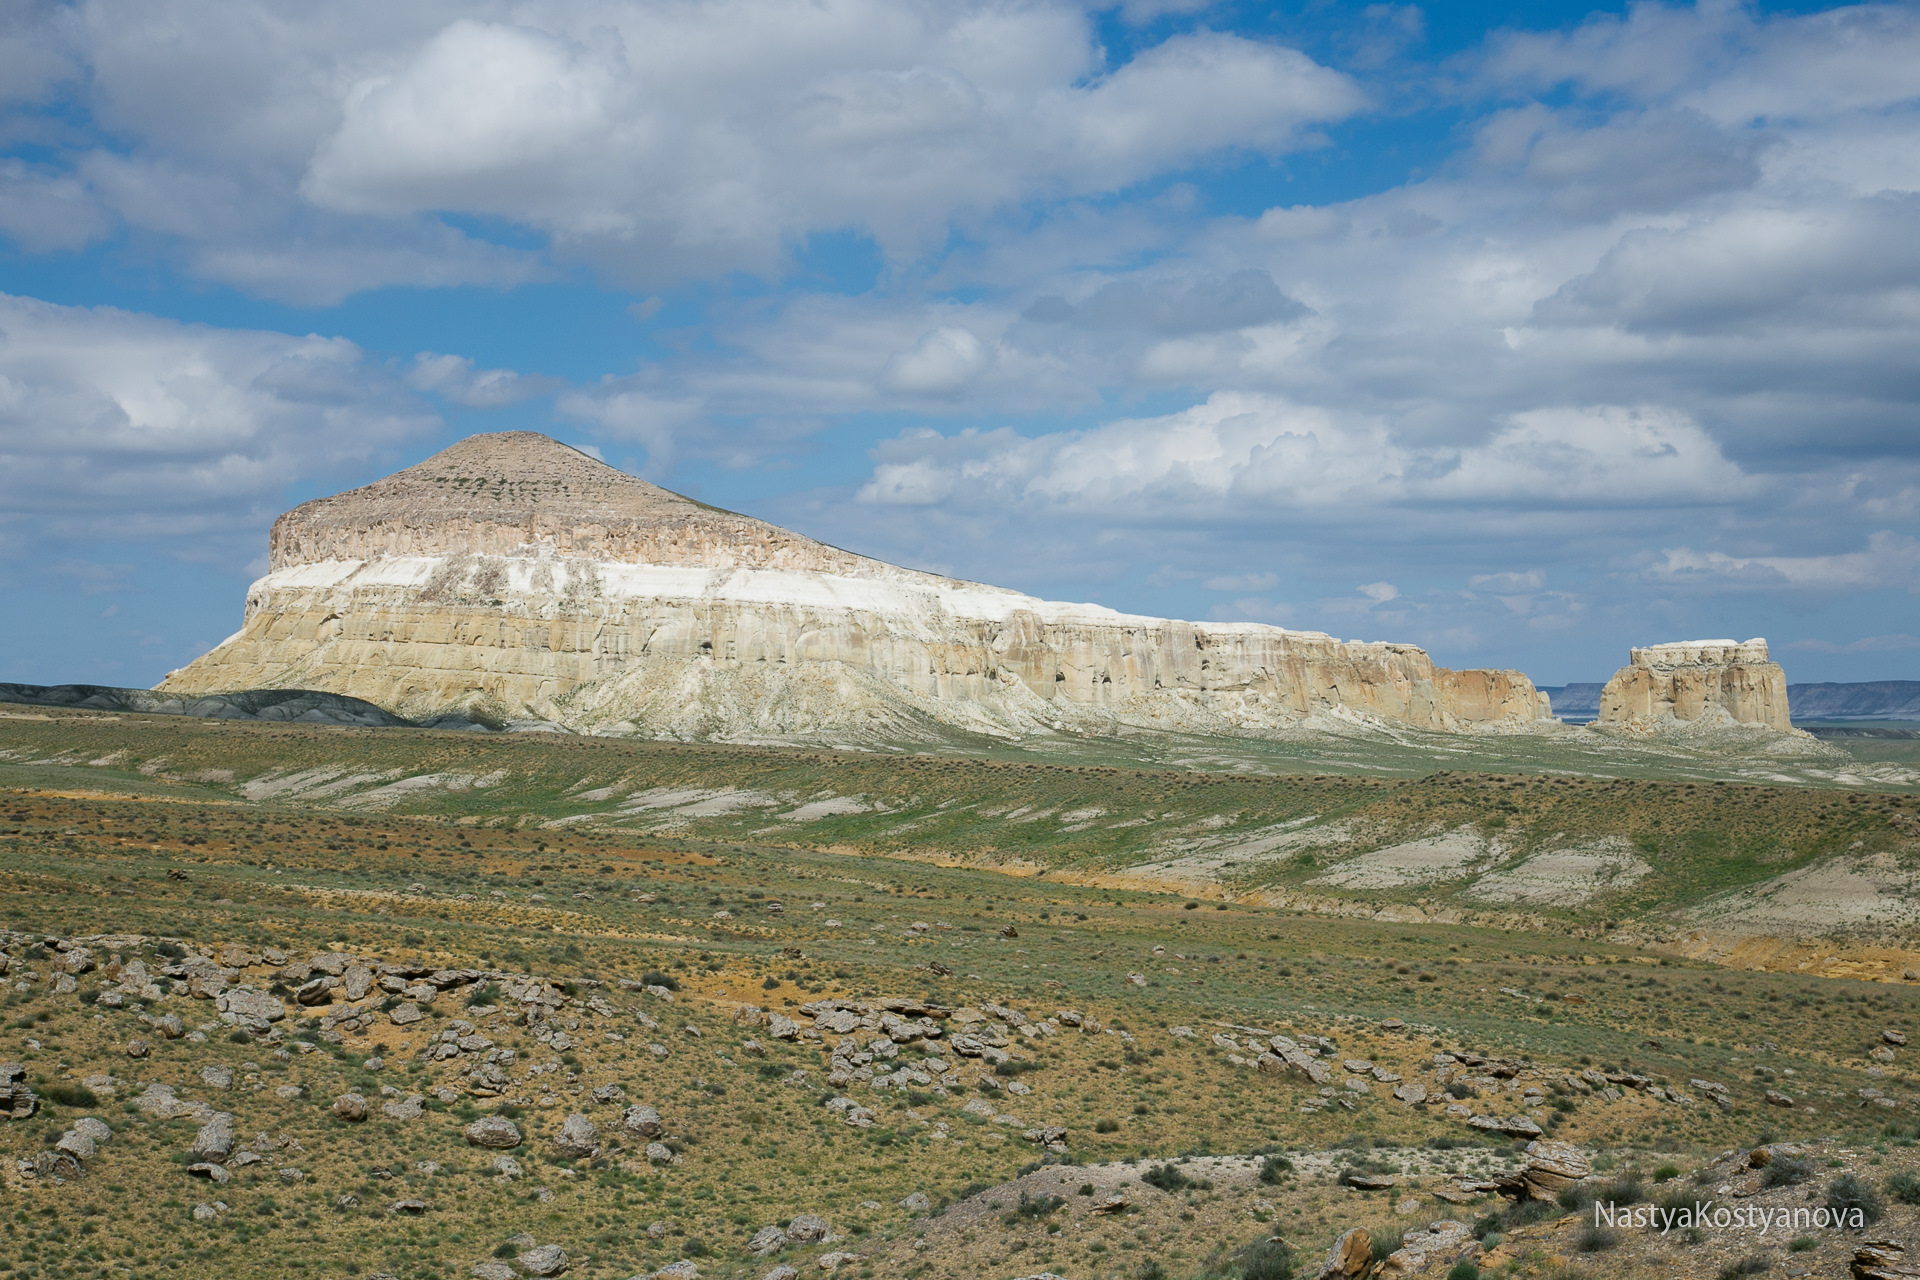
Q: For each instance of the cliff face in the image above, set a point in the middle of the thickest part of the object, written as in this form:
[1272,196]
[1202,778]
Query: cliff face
[515,577]
[1696,682]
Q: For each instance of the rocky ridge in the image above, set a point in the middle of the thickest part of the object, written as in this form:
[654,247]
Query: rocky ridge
[512,578]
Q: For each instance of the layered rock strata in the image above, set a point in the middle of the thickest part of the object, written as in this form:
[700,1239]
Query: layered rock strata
[1696,684]
[513,577]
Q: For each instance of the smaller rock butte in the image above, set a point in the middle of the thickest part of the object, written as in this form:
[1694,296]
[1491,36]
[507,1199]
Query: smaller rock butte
[1696,683]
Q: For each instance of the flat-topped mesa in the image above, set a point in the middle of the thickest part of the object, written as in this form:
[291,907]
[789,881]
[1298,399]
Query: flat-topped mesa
[1699,653]
[1696,683]
[511,577]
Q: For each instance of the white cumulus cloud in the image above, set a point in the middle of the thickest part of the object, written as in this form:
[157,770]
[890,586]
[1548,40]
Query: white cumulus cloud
[120,425]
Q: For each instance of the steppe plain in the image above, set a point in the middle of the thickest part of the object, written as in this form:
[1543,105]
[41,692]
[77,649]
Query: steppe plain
[1659,953]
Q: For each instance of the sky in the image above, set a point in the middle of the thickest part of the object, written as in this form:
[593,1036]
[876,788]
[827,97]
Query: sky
[1523,332]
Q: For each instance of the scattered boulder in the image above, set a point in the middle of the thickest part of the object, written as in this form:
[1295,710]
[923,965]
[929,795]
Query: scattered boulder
[543,1260]
[248,1008]
[317,992]
[578,1138]
[77,1145]
[1883,1260]
[93,1128]
[493,1131]
[506,1168]
[412,1206]
[1053,1137]
[211,1172]
[661,1153]
[216,1138]
[1350,1258]
[409,1108]
[331,963]
[1512,1126]
[1551,1168]
[356,982]
[138,1048]
[1430,1252]
[808,1227]
[917,1202]
[491,1270]
[351,1107]
[767,1240]
[405,1014]
[17,1099]
[642,1120]
[1368,1181]
[217,1076]
[782,1272]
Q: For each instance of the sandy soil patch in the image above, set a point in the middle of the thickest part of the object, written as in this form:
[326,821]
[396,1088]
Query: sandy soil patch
[1563,877]
[1840,892]
[1452,855]
[835,807]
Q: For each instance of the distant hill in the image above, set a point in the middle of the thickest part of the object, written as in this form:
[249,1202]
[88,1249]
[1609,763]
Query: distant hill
[1575,703]
[1869,700]
[298,706]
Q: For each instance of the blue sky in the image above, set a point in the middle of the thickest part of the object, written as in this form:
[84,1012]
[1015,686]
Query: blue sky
[1526,333]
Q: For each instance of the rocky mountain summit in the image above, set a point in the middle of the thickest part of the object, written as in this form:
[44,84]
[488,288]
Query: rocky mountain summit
[1697,685]
[512,578]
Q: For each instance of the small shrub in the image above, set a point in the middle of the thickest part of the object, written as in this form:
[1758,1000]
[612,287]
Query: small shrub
[70,1095]
[1581,1195]
[1802,1244]
[1108,1126]
[655,978]
[1166,1178]
[1150,1270]
[1743,1267]
[1273,1168]
[1787,1171]
[1592,1239]
[1266,1260]
[1666,1173]
[1464,1271]
[1904,1187]
[1847,1194]
[1386,1243]
[238,1036]
[1033,1208]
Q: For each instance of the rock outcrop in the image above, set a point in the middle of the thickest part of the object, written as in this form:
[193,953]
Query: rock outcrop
[1696,684]
[513,578]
